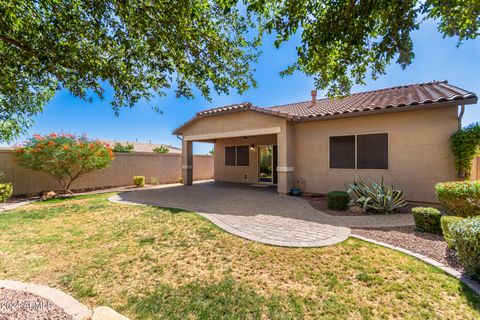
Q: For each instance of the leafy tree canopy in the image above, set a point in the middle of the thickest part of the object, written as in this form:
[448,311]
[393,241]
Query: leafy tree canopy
[343,41]
[142,48]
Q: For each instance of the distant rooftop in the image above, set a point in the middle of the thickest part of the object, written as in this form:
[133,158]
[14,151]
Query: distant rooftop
[137,146]
[144,146]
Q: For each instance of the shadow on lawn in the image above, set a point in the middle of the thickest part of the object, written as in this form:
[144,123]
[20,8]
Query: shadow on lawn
[472,298]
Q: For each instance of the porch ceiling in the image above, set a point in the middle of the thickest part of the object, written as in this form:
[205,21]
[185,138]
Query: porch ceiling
[233,134]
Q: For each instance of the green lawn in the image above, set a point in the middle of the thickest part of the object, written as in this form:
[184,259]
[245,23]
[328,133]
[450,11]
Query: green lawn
[151,263]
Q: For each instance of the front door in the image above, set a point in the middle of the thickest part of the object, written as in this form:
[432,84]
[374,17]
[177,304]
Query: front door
[267,159]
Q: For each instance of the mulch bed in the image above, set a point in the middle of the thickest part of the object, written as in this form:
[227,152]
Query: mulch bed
[428,244]
[18,305]
[319,202]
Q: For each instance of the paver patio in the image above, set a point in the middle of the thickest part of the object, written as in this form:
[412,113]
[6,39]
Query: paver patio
[260,214]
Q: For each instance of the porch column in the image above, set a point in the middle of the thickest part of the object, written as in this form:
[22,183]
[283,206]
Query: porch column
[187,162]
[285,165]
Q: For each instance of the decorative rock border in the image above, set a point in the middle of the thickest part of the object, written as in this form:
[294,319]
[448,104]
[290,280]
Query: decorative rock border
[342,234]
[106,313]
[70,305]
[472,284]
[315,235]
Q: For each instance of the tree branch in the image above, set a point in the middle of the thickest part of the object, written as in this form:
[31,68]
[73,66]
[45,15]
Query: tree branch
[16,44]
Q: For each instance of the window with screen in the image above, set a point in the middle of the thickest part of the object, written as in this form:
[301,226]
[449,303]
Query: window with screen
[372,151]
[342,152]
[243,156]
[230,156]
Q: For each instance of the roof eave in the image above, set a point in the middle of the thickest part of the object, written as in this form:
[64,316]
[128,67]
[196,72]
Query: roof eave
[267,112]
[457,102]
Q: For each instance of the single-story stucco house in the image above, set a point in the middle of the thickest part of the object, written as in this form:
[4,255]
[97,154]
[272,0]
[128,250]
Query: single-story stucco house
[401,133]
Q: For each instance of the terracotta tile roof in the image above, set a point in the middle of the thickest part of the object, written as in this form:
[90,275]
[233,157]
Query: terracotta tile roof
[244,106]
[388,98]
[418,94]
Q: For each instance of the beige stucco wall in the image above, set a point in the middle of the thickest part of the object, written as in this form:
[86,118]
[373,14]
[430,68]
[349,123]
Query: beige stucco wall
[475,172]
[236,121]
[419,152]
[239,174]
[164,167]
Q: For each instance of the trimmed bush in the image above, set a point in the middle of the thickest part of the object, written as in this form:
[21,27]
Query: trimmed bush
[6,191]
[460,198]
[427,219]
[338,200]
[161,150]
[446,223]
[123,148]
[139,181]
[466,234]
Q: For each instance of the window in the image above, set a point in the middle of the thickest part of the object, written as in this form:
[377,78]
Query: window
[243,154]
[372,151]
[237,156]
[342,152]
[230,156]
[363,151]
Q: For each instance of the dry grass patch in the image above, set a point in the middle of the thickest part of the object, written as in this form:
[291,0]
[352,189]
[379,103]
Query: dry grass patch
[164,263]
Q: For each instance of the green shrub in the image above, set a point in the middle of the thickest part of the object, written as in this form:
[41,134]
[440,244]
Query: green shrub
[446,223]
[467,243]
[6,191]
[427,219]
[465,144]
[376,197]
[139,181]
[154,181]
[338,200]
[161,150]
[123,148]
[460,198]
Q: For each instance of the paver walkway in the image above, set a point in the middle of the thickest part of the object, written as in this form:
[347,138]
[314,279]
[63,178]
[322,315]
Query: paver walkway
[260,214]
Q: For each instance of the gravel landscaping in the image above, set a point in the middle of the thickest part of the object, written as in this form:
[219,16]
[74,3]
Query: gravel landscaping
[428,244]
[17,305]
[319,202]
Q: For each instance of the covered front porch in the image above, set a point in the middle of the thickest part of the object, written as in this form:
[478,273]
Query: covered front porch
[259,157]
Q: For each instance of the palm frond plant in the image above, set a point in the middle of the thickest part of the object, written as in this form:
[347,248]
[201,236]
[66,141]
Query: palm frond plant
[375,197]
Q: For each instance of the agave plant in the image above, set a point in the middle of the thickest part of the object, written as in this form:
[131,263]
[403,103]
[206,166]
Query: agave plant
[376,197]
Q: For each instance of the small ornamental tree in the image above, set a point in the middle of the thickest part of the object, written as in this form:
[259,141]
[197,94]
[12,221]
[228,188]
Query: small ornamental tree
[65,157]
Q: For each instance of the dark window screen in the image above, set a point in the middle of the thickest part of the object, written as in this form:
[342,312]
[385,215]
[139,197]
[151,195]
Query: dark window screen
[342,152]
[242,156]
[372,151]
[229,156]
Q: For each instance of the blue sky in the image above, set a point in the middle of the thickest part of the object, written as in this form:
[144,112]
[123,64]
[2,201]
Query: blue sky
[435,59]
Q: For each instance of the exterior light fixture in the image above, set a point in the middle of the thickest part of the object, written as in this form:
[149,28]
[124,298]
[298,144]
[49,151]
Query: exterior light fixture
[252,148]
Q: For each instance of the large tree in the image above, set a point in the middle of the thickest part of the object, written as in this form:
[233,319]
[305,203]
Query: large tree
[343,41]
[141,48]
